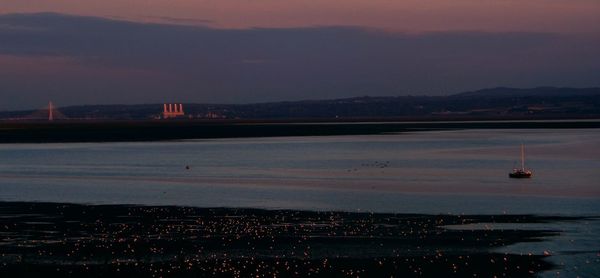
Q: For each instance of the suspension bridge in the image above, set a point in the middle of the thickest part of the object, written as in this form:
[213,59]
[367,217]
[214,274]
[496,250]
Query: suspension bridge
[49,113]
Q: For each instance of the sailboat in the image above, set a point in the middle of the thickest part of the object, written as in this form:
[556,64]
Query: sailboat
[522,172]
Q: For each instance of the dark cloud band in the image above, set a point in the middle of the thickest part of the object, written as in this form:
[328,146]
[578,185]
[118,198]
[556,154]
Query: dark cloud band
[202,64]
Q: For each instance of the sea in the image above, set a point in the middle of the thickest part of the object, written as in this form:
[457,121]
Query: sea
[431,172]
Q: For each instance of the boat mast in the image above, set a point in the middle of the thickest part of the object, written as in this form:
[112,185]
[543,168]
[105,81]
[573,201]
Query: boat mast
[522,158]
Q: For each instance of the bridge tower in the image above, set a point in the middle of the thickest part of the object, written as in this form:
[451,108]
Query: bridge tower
[50,111]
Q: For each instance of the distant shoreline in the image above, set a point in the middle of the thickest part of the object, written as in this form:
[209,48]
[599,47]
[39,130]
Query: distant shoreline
[156,130]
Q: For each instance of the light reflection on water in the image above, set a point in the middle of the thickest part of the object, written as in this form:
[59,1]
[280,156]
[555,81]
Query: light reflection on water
[424,172]
[575,250]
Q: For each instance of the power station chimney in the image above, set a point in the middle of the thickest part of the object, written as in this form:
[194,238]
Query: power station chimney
[173,110]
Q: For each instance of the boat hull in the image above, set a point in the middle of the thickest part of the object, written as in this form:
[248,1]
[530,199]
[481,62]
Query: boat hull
[520,175]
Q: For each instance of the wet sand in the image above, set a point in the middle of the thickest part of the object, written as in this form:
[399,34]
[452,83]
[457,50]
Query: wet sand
[52,239]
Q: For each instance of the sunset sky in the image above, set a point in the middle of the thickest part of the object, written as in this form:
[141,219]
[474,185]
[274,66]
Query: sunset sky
[239,51]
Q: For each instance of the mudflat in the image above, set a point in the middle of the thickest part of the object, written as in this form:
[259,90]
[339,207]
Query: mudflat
[62,240]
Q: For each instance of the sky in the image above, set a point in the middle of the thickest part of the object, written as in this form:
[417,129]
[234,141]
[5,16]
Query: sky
[77,52]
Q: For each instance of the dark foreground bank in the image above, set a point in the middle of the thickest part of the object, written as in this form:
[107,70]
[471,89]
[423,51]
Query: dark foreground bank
[155,130]
[66,240]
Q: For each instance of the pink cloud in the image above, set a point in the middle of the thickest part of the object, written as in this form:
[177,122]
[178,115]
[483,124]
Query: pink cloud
[566,16]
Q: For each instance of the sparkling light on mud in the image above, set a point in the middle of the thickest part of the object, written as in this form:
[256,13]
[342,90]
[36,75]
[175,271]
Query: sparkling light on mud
[164,241]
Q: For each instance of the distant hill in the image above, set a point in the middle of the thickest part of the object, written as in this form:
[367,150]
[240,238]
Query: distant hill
[488,103]
[502,92]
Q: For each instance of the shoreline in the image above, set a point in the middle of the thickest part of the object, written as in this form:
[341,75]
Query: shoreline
[148,131]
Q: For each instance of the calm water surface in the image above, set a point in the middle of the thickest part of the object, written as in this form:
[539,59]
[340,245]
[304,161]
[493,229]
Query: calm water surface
[429,172]
[462,171]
